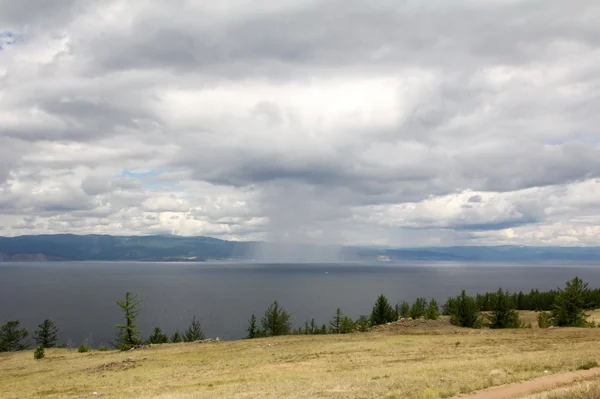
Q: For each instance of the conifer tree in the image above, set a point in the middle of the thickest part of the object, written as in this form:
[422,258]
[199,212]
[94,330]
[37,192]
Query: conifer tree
[417,310]
[570,304]
[47,334]
[194,332]
[432,312]
[11,337]
[503,314]
[336,322]
[382,312]
[314,329]
[323,329]
[464,311]
[404,310]
[363,324]
[276,321]
[347,325]
[252,329]
[176,337]
[128,336]
[158,337]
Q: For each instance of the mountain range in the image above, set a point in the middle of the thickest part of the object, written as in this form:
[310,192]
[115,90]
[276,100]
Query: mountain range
[69,247]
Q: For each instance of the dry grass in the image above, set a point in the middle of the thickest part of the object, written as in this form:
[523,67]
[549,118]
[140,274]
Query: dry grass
[368,365]
[581,390]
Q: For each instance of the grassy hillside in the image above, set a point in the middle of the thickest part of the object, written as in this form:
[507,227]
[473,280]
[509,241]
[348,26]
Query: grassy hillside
[390,363]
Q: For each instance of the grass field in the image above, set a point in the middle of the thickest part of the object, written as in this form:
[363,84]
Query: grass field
[383,364]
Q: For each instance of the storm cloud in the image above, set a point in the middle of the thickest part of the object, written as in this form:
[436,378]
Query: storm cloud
[338,122]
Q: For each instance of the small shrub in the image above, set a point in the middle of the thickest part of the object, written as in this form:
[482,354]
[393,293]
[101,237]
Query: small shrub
[82,349]
[102,348]
[39,352]
[544,319]
[588,365]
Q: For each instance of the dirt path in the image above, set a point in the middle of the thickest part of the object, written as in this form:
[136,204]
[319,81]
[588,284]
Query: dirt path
[519,389]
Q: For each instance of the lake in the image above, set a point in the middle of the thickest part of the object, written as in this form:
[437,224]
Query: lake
[80,296]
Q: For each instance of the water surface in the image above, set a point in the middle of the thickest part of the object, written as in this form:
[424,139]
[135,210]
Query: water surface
[80,296]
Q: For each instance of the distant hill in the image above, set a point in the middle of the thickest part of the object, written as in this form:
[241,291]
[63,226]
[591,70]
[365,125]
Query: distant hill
[175,248]
[105,247]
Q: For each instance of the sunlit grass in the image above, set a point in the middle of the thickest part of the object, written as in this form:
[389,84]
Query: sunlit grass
[363,365]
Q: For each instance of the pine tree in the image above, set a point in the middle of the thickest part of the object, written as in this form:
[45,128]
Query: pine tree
[503,314]
[11,335]
[336,322]
[128,336]
[382,312]
[432,312]
[276,321]
[47,334]
[363,324]
[417,310]
[158,337]
[194,332]
[570,304]
[404,310]
[39,352]
[464,311]
[176,337]
[252,329]
[314,329]
[323,329]
[347,325]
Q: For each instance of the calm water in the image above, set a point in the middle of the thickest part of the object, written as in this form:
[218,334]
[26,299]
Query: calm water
[80,296]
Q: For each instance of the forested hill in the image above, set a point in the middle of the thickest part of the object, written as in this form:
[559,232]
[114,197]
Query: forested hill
[105,247]
[175,248]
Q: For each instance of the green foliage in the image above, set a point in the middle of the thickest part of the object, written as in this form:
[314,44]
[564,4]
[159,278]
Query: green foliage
[83,349]
[158,337]
[347,325]
[39,352]
[363,323]
[569,308]
[11,337]
[194,331]
[588,365]
[176,337]
[323,329]
[276,321]
[449,307]
[503,314]
[252,328]
[417,310]
[432,312]
[46,334]
[102,348]
[463,312]
[128,336]
[312,328]
[382,312]
[403,309]
[336,322]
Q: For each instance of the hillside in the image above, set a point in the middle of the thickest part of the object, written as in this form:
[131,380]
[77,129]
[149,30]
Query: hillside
[175,248]
[380,364]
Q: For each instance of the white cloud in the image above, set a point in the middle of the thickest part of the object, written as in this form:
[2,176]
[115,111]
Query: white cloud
[328,121]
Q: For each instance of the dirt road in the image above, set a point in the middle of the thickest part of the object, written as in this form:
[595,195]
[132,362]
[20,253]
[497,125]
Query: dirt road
[520,389]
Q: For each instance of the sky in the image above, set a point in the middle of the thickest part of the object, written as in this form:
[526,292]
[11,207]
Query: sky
[396,123]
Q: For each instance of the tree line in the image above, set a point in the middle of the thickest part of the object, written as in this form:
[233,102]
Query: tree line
[494,310]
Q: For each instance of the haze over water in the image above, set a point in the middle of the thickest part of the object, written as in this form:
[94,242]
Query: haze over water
[80,296]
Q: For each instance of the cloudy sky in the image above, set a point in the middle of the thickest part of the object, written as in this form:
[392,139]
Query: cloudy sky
[404,123]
